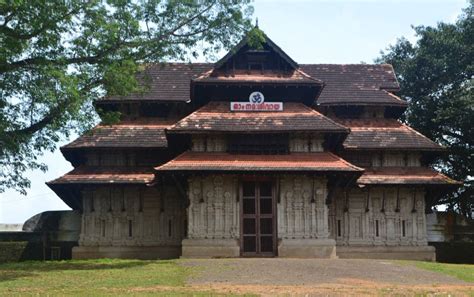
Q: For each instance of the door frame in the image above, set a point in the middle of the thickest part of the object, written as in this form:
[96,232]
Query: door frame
[258,179]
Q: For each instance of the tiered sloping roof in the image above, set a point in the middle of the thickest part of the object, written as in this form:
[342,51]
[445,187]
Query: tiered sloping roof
[217,117]
[294,162]
[385,134]
[404,176]
[333,85]
[141,133]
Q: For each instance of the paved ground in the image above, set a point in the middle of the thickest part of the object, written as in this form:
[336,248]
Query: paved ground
[315,277]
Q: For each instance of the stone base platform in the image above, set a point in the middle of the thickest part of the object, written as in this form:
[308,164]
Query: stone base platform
[424,253]
[307,248]
[210,248]
[124,252]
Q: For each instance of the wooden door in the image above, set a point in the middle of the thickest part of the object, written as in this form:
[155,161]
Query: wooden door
[258,220]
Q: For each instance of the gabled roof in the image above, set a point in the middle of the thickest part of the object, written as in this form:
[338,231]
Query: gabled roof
[388,134]
[295,162]
[404,176]
[127,134]
[217,117]
[268,42]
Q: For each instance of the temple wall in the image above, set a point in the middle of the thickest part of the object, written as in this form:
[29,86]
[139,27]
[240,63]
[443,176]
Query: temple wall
[375,218]
[213,211]
[375,224]
[121,217]
[303,218]
[302,212]
[213,217]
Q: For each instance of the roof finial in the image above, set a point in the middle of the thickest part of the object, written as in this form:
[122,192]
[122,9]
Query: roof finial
[256,23]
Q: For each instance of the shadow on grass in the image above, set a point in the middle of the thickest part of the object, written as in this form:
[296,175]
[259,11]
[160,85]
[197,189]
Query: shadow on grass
[11,271]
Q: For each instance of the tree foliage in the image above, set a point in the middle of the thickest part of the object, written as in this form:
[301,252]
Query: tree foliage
[57,57]
[256,38]
[436,74]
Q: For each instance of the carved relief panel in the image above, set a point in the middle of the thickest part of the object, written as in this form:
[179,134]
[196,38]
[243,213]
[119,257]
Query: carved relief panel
[132,216]
[386,216]
[302,212]
[214,208]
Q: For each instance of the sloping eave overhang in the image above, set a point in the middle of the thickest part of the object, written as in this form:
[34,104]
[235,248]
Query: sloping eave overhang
[321,162]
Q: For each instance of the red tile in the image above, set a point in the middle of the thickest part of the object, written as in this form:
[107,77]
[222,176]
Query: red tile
[202,161]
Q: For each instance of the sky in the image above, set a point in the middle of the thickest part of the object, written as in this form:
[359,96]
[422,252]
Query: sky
[338,32]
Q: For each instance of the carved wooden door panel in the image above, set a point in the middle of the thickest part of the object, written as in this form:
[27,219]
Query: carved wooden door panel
[258,224]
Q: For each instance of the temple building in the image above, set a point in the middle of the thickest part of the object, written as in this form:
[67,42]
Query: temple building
[255,155]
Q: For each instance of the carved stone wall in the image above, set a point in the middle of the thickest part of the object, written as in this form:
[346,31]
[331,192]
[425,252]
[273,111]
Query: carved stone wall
[132,216]
[376,217]
[302,212]
[213,211]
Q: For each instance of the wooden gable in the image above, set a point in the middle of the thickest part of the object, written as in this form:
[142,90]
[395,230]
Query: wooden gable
[245,57]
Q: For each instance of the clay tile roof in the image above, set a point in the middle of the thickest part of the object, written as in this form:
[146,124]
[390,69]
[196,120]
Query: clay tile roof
[385,134]
[166,82]
[105,175]
[216,116]
[294,77]
[143,134]
[205,161]
[363,84]
[405,175]
[344,84]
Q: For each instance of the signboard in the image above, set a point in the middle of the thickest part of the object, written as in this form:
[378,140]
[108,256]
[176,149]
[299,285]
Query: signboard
[256,103]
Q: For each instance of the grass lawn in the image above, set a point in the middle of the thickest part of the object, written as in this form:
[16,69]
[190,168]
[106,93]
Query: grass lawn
[95,277]
[463,272]
[106,277]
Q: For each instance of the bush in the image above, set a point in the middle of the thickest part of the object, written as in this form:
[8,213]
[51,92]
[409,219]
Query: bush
[12,251]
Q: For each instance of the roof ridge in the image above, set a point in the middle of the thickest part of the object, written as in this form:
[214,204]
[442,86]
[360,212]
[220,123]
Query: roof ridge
[346,162]
[394,96]
[309,76]
[155,168]
[300,64]
[346,64]
[327,118]
[420,134]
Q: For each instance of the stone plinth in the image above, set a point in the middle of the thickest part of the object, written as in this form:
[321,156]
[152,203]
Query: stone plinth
[423,253]
[210,248]
[307,248]
[124,252]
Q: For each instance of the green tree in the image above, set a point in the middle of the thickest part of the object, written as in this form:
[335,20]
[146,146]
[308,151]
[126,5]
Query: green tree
[436,77]
[57,57]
